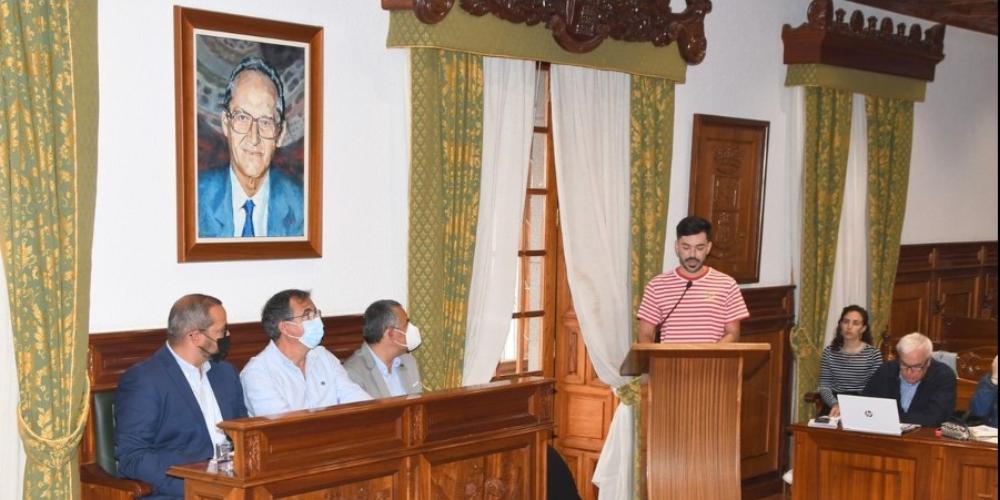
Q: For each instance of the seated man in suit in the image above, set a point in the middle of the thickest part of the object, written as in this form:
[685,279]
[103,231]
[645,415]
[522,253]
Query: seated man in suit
[167,406]
[984,402]
[923,388]
[294,372]
[383,365]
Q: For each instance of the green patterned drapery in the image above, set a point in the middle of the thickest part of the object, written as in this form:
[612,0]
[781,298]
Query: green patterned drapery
[890,140]
[48,163]
[651,138]
[445,165]
[827,138]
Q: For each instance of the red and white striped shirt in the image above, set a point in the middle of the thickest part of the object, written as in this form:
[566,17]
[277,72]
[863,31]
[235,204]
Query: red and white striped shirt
[712,301]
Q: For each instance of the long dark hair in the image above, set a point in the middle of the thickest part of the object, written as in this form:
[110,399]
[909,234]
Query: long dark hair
[866,336]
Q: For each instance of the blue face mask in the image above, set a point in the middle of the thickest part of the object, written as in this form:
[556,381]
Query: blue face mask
[312,333]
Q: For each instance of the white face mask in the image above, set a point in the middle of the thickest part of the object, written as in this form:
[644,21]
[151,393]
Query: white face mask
[412,334]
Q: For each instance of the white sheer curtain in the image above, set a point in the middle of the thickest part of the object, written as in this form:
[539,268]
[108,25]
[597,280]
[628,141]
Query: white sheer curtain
[590,119]
[11,451]
[850,275]
[508,105]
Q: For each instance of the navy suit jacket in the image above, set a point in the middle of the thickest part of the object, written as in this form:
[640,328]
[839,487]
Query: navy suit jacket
[158,422]
[934,400]
[215,204]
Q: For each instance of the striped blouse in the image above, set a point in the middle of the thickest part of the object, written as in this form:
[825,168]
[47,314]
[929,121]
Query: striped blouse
[841,372]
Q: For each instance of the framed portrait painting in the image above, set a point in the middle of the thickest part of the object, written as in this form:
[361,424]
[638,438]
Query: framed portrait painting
[249,137]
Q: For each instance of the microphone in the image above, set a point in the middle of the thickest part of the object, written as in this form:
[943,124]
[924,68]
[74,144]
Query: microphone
[659,327]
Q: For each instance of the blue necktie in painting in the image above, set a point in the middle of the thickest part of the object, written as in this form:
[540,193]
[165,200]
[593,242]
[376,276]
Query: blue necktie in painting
[248,224]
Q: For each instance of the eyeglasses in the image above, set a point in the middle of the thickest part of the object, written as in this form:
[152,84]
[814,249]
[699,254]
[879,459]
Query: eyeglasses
[267,127]
[308,315]
[914,368]
[223,334]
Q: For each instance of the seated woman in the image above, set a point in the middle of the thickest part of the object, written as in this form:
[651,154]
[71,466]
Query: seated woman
[984,401]
[849,361]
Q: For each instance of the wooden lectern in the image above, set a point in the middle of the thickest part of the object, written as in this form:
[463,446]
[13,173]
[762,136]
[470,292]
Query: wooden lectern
[691,410]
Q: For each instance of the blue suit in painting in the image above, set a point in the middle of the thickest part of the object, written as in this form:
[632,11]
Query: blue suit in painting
[158,422]
[215,205]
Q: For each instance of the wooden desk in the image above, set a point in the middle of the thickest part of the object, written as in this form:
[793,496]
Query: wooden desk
[834,464]
[485,441]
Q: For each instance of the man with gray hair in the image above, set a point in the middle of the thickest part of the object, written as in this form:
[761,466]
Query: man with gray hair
[924,389]
[383,366]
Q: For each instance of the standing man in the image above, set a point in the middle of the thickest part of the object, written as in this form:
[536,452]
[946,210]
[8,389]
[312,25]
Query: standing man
[248,197]
[167,407]
[924,389]
[383,366]
[692,303]
[294,372]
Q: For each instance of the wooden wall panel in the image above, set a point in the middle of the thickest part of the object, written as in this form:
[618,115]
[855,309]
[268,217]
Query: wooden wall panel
[936,281]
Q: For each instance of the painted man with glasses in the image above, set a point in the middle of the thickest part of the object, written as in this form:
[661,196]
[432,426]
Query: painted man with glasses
[923,388]
[295,372]
[249,197]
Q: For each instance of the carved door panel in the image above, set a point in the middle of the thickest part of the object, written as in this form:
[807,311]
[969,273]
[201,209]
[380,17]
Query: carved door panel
[727,187]
[482,475]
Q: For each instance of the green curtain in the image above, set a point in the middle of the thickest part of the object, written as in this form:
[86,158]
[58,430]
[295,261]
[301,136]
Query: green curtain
[651,138]
[890,140]
[445,165]
[48,117]
[827,137]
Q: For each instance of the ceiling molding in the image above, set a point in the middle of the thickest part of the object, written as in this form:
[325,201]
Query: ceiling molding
[580,26]
[976,15]
[865,44]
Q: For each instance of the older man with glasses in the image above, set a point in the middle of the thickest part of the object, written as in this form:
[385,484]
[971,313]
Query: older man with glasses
[295,372]
[923,388]
[249,197]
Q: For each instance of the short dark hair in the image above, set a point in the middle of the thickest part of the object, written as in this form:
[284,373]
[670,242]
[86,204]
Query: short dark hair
[692,225]
[379,316]
[866,336]
[278,308]
[190,312]
[254,63]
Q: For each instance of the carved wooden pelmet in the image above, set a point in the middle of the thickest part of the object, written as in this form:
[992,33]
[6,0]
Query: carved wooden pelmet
[869,44]
[580,26]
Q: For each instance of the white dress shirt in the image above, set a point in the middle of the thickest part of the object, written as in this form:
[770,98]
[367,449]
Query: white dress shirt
[273,384]
[260,199]
[203,393]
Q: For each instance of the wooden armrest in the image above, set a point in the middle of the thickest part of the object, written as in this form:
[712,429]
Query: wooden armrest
[94,475]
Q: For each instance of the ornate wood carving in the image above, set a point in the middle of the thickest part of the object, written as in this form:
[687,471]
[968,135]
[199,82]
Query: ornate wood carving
[865,44]
[580,26]
[978,15]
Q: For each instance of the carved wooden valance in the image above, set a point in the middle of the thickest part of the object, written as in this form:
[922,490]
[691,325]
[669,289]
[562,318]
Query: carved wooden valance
[865,44]
[579,26]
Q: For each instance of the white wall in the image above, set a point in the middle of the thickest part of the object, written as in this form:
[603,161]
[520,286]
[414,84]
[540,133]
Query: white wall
[135,272]
[136,276]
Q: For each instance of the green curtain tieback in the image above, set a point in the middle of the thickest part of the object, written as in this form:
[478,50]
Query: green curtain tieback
[54,453]
[630,392]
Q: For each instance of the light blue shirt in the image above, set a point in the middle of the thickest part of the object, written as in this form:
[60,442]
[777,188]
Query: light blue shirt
[906,393]
[392,381]
[273,384]
[260,199]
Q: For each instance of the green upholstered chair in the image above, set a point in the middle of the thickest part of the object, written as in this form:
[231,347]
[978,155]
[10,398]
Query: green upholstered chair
[99,480]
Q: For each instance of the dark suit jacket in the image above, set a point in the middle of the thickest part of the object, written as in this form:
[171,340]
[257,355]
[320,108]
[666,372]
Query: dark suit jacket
[215,204]
[934,401]
[158,422]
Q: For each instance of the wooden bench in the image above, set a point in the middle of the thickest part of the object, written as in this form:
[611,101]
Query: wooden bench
[110,354]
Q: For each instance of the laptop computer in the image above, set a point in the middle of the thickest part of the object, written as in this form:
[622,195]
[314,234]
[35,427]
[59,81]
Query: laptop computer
[875,415]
